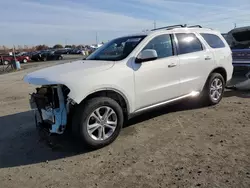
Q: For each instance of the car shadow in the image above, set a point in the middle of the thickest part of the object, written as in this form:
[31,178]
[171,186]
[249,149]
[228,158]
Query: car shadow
[20,143]
[237,93]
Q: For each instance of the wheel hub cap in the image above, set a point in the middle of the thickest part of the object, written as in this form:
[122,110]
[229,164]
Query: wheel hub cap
[102,123]
[216,89]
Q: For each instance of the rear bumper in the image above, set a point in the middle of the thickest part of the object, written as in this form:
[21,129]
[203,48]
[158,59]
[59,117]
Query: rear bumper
[241,76]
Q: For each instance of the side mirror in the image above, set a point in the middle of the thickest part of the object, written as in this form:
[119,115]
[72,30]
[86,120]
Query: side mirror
[146,55]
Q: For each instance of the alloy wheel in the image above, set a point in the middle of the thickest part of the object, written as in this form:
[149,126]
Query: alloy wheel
[102,123]
[216,89]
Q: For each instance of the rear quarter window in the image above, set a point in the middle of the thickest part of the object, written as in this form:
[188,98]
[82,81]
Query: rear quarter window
[213,40]
[188,43]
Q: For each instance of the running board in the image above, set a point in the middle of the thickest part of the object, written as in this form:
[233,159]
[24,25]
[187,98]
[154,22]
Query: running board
[192,94]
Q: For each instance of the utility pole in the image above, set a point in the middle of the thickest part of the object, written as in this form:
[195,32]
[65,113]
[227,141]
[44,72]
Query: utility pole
[66,42]
[96,38]
[154,24]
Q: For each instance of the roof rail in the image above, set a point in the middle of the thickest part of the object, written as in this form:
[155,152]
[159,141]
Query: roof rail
[170,27]
[195,26]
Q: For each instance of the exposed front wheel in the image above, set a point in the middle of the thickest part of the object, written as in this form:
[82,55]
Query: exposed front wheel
[98,122]
[214,89]
[25,61]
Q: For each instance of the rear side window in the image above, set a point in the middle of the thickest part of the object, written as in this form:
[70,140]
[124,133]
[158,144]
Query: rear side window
[213,40]
[188,43]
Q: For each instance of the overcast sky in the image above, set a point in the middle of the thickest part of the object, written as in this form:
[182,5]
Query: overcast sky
[48,22]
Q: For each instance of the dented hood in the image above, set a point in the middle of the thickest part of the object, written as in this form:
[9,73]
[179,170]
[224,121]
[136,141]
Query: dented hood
[61,74]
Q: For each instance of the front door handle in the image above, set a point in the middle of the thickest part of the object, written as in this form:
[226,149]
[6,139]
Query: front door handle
[208,58]
[172,65]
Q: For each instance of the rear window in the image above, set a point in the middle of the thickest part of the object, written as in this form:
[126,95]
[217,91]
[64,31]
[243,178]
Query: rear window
[213,40]
[188,43]
[242,36]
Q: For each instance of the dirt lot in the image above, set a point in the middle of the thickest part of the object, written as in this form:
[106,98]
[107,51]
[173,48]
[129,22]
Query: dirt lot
[182,145]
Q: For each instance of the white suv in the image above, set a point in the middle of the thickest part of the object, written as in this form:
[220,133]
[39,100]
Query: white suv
[93,97]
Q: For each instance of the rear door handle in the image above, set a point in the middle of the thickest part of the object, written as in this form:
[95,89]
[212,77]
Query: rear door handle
[172,65]
[208,58]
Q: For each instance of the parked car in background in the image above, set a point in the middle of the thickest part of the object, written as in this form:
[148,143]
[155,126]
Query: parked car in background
[5,60]
[127,76]
[239,41]
[46,55]
[63,51]
[23,57]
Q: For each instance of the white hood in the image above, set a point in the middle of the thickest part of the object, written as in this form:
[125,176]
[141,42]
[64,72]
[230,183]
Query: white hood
[65,73]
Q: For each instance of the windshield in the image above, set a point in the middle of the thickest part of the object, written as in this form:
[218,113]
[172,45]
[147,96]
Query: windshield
[116,49]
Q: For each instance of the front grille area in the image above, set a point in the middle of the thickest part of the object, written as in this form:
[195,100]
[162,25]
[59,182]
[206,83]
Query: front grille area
[46,97]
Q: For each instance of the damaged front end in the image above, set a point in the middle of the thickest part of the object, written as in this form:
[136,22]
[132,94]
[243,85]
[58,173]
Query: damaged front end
[51,107]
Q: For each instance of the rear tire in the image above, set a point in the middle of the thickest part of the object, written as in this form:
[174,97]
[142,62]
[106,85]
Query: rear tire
[6,62]
[96,132]
[213,90]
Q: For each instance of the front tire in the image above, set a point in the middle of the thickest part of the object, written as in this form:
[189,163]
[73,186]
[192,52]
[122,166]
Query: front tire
[214,89]
[98,122]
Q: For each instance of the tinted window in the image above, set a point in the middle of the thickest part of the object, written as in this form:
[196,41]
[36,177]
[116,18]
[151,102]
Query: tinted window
[213,40]
[188,43]
[242,36]
[162,45]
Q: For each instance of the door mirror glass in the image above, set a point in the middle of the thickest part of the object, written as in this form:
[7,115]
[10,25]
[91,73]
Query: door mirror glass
[146,55]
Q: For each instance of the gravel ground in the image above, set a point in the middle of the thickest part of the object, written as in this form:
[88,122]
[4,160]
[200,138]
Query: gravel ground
[182,145]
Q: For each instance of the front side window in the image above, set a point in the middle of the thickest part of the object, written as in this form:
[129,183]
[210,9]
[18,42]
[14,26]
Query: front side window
[162,45]
[116,49]
[213,40]
[188,43]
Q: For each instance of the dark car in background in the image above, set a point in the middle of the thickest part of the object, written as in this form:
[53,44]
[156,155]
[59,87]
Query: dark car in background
[76,51]
[46,55]
[63,51]
[239,41]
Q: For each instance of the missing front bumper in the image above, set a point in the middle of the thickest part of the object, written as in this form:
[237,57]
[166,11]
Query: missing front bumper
[49,109]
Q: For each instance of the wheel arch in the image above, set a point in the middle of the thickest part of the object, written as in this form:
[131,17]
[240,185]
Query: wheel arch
[221,71]
[112,93]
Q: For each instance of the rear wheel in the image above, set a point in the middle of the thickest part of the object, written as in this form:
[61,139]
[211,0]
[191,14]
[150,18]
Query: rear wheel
[98,122]
[214,89]
[25,61]
[6,62]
